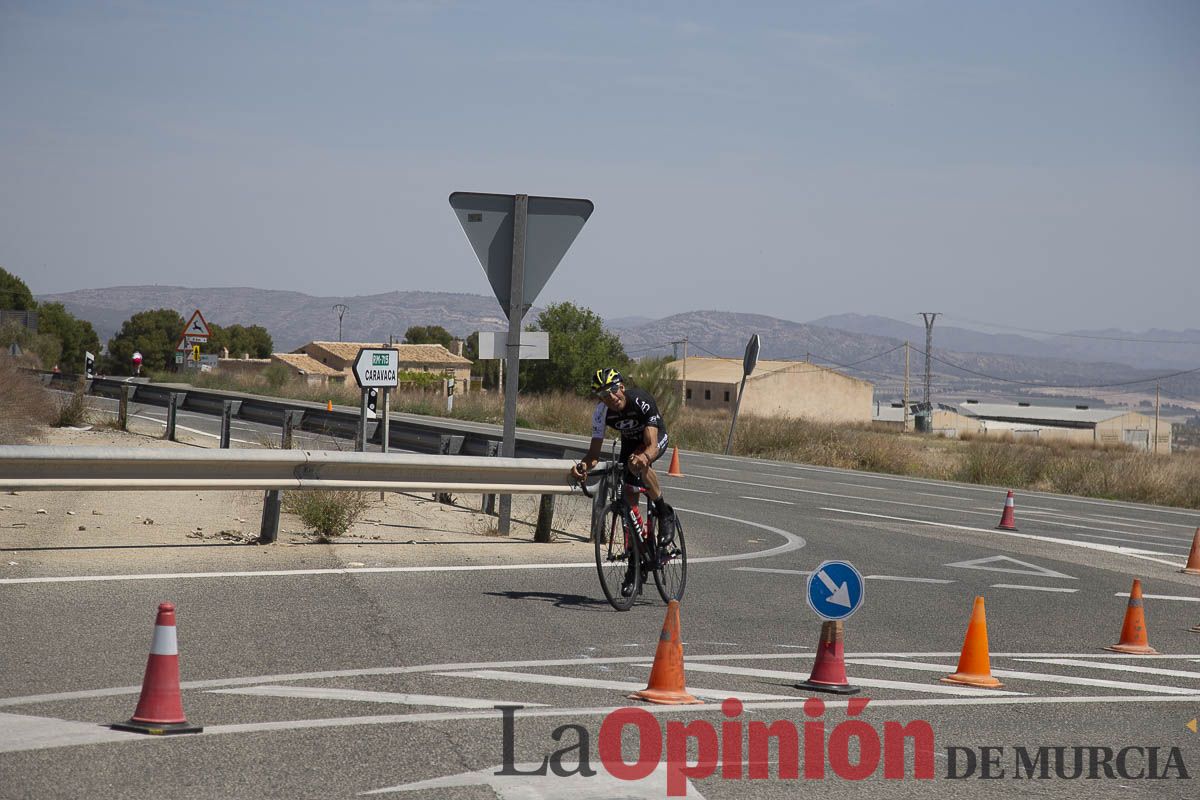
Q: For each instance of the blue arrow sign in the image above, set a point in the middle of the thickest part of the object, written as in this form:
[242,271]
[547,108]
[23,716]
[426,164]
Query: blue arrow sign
[835,590]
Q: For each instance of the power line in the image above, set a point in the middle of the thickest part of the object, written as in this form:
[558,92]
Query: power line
[1061,385]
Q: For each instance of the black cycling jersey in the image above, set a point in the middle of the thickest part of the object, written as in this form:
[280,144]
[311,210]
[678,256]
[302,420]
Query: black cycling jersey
[640,411]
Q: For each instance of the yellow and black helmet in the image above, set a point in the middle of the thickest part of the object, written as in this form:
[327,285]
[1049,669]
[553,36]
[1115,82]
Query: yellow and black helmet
[605,380]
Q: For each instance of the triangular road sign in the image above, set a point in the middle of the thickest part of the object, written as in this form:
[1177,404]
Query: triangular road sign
[1025,568]
[552,226]
[196,326]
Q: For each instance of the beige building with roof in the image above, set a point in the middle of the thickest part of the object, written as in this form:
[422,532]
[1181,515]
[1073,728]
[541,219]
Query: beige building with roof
[776,389]
[339,357]
[1100,426]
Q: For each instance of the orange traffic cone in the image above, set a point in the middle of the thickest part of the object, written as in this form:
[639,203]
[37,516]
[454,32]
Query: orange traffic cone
[666,676]
[1007,522]
[1133,630]
[674,468]
[329,405]
[974,663]
[160,707]
[1193,562]
[829,670]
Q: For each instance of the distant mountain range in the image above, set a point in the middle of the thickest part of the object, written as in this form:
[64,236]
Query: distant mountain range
[869,347]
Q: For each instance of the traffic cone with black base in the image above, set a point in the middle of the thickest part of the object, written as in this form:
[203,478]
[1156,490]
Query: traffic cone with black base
[1193,562]
[1008,521]
[666,685]
[673,470]
[1133,630]
[160,707]
[974,662]
[829,669]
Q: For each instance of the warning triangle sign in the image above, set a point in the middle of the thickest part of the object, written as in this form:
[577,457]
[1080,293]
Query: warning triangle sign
[196,327]
[998,564]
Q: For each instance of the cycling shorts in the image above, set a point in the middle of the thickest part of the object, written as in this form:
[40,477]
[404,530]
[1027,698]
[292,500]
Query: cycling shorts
[631,446]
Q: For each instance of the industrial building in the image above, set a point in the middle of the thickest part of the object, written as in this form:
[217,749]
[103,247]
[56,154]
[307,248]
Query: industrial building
[775,389]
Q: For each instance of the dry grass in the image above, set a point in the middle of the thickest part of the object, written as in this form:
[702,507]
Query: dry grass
[26,406]
[327,514]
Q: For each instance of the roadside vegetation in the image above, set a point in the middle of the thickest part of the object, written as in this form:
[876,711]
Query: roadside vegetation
[327,514]
[25,405]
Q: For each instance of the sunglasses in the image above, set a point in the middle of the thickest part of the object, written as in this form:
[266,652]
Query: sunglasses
[606,393]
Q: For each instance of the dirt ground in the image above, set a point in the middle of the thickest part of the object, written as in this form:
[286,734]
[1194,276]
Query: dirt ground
[397,528]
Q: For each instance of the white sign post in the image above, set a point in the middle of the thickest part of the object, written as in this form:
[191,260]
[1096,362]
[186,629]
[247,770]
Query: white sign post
[749,362]
[375,369]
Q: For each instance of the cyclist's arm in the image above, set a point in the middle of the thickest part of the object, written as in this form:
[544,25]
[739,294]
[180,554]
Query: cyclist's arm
[649,450]
[593,453]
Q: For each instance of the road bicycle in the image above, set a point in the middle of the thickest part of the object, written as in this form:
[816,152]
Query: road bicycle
[627,544]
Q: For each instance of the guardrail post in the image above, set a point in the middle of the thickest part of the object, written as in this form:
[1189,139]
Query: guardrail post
[448,446]
[545,520]
[123,408]
[489,500]
[226,415]
[172,407]
[269,530]
[290,419]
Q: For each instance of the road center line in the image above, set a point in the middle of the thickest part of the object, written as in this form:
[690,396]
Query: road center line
[1033,588]
[1162,597]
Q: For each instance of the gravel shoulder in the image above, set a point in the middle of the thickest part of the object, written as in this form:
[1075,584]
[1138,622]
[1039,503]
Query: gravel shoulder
[132,530]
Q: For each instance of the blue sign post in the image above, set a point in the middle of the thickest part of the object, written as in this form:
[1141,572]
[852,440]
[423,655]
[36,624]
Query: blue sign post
[835,590]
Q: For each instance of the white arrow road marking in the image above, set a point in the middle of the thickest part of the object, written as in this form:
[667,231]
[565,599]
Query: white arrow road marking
[600,786]
[358,695]
[840,594]
[1145,555]
[1022,568]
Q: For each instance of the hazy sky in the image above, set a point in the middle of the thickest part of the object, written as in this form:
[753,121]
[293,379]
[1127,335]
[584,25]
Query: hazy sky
[1033,163]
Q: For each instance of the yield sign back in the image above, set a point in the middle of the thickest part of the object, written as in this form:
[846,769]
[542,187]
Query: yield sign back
[553,224]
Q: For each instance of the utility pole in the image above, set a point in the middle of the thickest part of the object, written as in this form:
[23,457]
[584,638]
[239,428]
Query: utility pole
[905,428]
[1157,387]
[929,317]
[341,310]
[683,382]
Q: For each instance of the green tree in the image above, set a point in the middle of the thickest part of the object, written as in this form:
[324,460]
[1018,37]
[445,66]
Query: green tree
[240,339]
[153,333]
[14,294]
[488,370]
[579,345]
[74,335]
[428,334]
[42,348]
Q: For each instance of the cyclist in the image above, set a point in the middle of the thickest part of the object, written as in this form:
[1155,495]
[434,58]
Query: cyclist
[634,414]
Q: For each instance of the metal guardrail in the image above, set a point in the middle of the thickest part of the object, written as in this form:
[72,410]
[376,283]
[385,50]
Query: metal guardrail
[406,431]
[137,469]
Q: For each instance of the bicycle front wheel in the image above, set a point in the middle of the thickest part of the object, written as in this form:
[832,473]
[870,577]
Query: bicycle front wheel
[617,560]
[670,570]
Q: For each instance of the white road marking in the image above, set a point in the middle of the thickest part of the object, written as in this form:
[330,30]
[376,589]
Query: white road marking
[874,683]
[1033,588]
[1161,597]
[21,732]
[1130,541]
[675,488]
[768,500]
[904,578]
[1145,555]
[1028,676]
[524,783]
[1111,520]
[595,683]
[1025,568]
[360,696]
[774,571]
[1078,662]
[791,542]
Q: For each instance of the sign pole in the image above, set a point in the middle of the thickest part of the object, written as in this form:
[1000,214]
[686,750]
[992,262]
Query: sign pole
[512,351]
[386,421]
[749,362]
[736,407]
[360,444]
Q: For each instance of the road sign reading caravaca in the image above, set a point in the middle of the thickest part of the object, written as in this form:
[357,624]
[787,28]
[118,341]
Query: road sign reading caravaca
[835,590]
[377,368]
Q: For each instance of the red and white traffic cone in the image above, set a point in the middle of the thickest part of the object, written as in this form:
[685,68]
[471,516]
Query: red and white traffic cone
[829,668]
[1007,520]
[160,707]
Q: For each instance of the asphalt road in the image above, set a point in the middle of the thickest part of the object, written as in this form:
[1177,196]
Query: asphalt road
[336,684]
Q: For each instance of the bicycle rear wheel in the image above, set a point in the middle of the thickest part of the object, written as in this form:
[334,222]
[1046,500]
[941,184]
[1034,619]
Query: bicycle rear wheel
[670,571]
[617,557]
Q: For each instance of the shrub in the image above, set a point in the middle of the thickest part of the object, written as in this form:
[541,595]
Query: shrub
[25,404]
[327,514]
[71,411]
